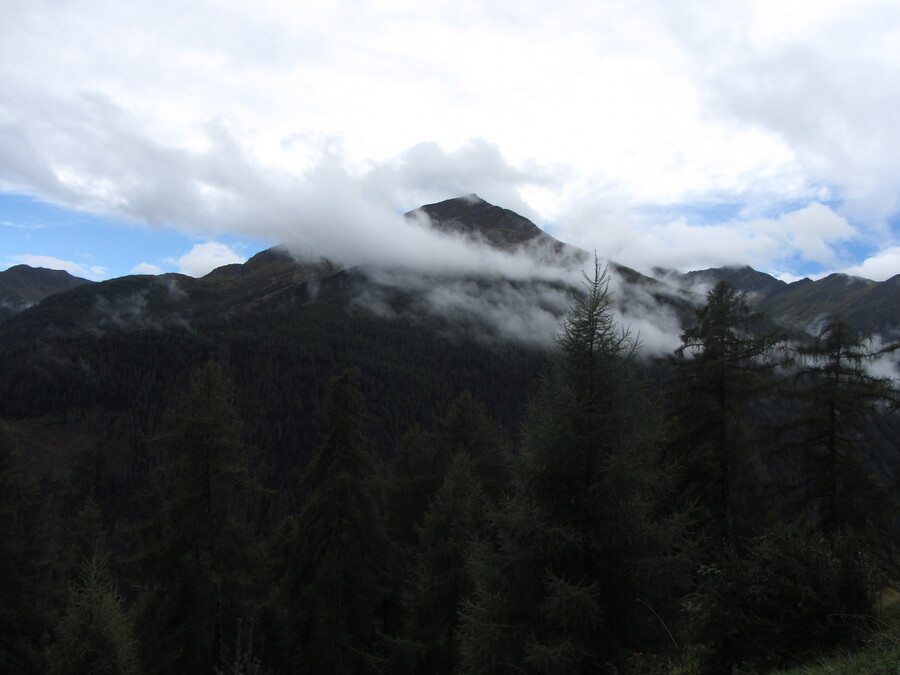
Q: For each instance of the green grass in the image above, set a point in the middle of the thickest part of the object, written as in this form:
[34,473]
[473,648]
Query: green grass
[879,656]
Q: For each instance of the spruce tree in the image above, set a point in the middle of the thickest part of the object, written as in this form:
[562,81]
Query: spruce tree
[335,585]
[468,429]
[725,364]
[201,563]
[439,577]
[95,635]
[419,474]
[582,557]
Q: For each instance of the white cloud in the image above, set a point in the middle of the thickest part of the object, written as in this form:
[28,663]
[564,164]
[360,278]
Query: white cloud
[246,107]
[20,226]
[204,258]
[93,272]
[810,233]
[881,266]
[146,268]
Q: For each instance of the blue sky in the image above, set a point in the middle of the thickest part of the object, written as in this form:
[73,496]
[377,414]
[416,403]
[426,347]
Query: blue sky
[100,247]
[164,136]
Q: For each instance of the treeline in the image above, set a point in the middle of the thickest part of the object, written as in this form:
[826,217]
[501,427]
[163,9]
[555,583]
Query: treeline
[730,518]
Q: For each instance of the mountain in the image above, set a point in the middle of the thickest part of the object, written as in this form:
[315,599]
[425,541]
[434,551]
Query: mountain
[89,373]
[22,286]
[744,278]
[473,217]
[871,306]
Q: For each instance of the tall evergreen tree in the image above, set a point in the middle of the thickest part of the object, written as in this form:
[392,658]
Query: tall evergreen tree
[95,635]
[838,397]
[419,465]
[581,549]
[201,564]
[417,476]
[439,578]
[468,429]
[25,595]
[336,584]
[724,365]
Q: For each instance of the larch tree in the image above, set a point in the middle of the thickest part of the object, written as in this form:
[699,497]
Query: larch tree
[581,558]
[725,364]
[838,396]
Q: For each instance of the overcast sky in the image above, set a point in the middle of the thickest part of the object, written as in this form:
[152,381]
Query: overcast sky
[165,135]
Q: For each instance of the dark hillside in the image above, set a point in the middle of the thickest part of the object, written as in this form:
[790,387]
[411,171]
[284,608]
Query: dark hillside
[22,286]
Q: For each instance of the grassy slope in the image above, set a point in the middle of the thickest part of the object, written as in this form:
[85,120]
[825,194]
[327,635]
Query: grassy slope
[879,656]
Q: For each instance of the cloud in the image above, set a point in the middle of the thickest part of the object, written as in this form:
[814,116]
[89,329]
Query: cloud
[524,310]
[881,266]
[146,268]
[93,272]
[813,233]
[595,110]
[204,258]
[427,173]
[20,226]
[820,77]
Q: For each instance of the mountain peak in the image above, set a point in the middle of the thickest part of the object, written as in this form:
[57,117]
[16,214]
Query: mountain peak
[470,215]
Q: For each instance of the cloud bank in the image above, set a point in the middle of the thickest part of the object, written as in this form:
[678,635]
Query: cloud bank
[265,119]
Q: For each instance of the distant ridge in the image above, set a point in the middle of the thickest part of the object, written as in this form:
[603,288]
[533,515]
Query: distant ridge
[871,306]
[276,276]
[22,286]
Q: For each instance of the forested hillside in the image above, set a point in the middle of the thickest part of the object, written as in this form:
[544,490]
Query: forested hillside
[288,466]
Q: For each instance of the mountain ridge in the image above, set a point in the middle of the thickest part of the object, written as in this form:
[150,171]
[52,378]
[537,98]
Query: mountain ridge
[106,361]
[277,273]
[21,286]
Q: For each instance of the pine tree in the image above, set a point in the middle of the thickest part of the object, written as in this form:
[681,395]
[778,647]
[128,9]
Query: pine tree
[336,583]
[720,370]
[838,397]
[581,549]
[201,565]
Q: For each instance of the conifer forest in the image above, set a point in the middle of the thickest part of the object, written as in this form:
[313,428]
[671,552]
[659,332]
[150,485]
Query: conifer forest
[728,508]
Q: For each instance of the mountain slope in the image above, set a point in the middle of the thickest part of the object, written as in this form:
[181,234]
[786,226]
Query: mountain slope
[104,362]
[804,305]
[22,286]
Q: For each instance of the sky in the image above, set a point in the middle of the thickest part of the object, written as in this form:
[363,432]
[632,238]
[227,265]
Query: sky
[148,137]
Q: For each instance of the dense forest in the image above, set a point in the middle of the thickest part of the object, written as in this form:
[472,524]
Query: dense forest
[723,509]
